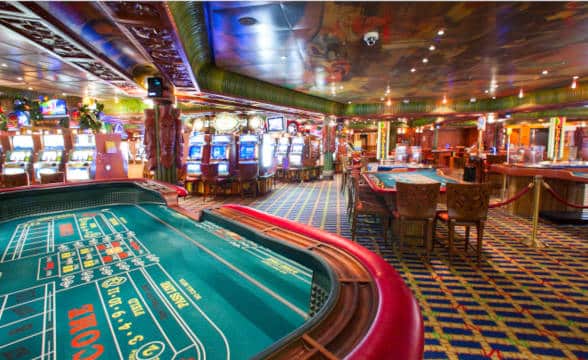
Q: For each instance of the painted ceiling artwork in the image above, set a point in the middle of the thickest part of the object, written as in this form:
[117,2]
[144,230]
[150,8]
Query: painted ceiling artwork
[423,50]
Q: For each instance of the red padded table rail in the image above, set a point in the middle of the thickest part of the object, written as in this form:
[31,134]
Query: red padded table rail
[397,330]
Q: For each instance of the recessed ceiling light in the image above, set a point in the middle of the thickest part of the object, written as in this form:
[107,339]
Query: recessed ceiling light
[349,102]
[472,99]
[381,99]
[432,48]
[441,32]
[4,65]
[63,94]
[425,60]
[493,97]
[486,91]
[30,88]
[283,57]
[247,21]
[406,101]
[575,77]
[412,70]
[544,72]
[19,78]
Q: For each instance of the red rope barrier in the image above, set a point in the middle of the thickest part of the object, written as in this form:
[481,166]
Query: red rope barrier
[561,199]
[514,198]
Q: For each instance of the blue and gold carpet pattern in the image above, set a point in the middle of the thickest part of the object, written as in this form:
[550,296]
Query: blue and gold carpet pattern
[522,303]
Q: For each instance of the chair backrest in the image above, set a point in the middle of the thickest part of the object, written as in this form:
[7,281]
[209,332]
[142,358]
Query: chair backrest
[209,171]
[248,172]
[355,189]
[468,202]
[55,177]
[14,180]
[417,200]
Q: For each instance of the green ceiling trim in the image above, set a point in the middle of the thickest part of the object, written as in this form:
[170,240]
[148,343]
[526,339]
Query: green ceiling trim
[191,27]
[565,95]
[571,113]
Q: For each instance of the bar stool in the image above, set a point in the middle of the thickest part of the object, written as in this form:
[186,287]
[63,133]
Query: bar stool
[467,205]
[417,203]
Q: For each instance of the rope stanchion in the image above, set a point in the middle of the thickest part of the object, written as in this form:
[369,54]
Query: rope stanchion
[561,199]
[514,198]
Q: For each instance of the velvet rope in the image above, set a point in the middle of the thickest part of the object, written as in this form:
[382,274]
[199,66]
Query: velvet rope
[561,199]
[514,198]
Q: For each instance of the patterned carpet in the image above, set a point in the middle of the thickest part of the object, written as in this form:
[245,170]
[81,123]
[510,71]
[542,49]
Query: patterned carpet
[522,303]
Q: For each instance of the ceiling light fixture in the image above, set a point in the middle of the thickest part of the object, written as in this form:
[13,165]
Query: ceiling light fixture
[63,94]
[381,99]
[19,78]
[441,32]
[425,60]
[406,101]
[389,102]
[486,91]
[444,100]
[473,99]
[30,88]
[283,57]
[521,93]
[412,70]
[544,72]
[4,65]
[349,102]
[432,48]
[493,97]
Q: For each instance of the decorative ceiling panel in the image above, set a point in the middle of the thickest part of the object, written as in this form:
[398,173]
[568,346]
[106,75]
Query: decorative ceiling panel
[319,47]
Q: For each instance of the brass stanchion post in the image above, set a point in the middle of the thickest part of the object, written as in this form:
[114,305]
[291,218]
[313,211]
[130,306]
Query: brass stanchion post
[538,182]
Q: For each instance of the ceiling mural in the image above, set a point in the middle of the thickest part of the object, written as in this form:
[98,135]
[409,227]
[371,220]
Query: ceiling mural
[423,50]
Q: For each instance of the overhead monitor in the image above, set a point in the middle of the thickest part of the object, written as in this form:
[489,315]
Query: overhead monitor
[53,108]
[155,87]
[276,124]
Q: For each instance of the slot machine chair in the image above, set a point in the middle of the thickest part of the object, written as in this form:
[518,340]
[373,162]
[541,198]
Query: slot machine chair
[56,177]
[248,176]
[14,180]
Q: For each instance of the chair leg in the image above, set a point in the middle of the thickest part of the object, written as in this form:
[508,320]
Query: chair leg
[401,234]
[384,222]
[467,238]
[451,228]
[428,238]
[353,226]
[480,228]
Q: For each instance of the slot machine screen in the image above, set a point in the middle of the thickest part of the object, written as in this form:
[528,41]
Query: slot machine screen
[78,174]
[193,169]
[247,151]
[218,152]
[17,156]
[297,148]
[295,160]
[49,156]
[22,141]
[223,169]
[195,152]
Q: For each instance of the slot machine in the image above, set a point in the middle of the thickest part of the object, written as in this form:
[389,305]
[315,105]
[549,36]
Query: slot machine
[51,158]
[248,149]
[197,143]
[81,164]
[220,153]
[282,150]
[267,154]
[296,152]
[20,158]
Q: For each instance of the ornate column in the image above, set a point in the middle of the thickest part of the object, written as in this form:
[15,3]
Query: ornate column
[329,128]
[163,141]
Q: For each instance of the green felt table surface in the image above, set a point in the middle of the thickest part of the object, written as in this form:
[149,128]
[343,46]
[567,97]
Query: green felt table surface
[418,176]
[142,281]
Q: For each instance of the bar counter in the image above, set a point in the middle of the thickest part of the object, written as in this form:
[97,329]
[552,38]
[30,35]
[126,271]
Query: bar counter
[568,179]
